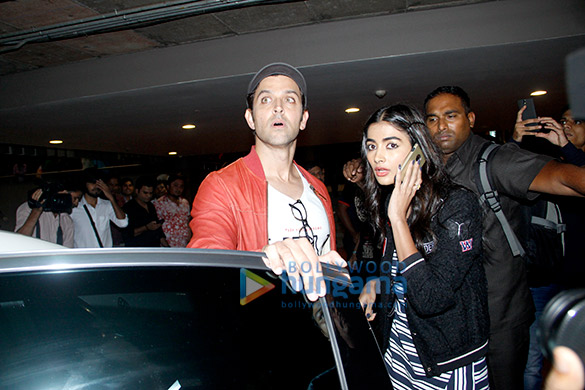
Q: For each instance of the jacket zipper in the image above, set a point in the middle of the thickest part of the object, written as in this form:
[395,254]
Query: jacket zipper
[317,193]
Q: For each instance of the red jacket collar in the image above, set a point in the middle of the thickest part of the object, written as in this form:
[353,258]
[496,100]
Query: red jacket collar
[252,161]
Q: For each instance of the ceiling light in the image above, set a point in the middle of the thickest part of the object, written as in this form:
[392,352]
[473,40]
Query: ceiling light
[172,153]
[56,141]
[351,110]
[538,93]
[188,127]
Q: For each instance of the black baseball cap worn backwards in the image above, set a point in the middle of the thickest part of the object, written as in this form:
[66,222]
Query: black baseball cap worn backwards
[279,69]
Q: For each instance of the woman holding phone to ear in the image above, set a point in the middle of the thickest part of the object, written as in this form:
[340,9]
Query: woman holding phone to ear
[433,299]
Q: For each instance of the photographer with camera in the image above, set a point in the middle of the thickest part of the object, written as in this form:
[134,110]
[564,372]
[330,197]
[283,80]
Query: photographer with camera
[45,214]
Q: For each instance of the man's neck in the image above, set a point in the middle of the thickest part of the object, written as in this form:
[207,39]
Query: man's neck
[446,157]
[90,200]
[279,169]
[142,204]
[173,198]
[277,162]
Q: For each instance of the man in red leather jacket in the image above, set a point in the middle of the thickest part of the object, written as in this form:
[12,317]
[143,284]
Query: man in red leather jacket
[265,201]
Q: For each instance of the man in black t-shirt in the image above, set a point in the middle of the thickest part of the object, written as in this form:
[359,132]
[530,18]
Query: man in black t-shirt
[144,228]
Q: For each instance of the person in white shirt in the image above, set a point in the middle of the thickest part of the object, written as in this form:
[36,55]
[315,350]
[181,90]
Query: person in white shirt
[42,219]
[93,215]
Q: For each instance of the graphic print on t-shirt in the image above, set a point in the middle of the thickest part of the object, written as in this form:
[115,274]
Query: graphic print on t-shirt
[295,218]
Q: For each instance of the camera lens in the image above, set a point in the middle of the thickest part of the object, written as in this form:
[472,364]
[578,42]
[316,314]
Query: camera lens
[59,203]
[563,323]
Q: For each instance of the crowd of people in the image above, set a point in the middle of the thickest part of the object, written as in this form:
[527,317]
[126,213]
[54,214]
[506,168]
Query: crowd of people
[459,310]
[101,213]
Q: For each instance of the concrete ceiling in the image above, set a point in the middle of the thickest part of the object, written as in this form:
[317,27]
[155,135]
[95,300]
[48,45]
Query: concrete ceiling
[130,91]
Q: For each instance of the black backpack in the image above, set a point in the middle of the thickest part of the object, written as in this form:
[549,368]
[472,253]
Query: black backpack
[543,238]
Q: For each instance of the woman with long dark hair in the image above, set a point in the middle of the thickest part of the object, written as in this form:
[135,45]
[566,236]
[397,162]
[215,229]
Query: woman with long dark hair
[433,301]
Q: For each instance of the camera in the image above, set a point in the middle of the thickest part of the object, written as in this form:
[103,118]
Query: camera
[51,199]
[563,323]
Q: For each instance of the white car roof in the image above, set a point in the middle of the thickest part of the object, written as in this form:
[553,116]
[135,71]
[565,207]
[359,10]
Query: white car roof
[14,242]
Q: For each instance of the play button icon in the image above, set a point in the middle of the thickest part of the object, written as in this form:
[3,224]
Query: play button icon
[252,286]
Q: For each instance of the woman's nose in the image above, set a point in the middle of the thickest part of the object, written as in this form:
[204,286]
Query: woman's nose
[379,156]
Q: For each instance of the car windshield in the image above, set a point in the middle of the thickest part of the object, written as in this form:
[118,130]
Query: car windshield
[159,328]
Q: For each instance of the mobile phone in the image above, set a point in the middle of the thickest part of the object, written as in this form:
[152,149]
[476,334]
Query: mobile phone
[415,154]
[529,112]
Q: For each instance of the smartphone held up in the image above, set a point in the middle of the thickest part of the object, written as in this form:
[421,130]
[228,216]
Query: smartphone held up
[530,113]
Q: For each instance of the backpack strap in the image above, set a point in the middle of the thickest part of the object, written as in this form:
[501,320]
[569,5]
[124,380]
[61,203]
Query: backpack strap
[552,220]
[559,228]
[490,196]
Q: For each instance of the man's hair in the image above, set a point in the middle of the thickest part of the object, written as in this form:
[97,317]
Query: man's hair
[144,181]
[112,176]
[91,175]
[72,185]
[174,177]
[125,180]
[452,90]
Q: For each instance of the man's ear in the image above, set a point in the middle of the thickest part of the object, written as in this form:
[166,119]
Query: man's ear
[304,120]
[471,118]
[250,119]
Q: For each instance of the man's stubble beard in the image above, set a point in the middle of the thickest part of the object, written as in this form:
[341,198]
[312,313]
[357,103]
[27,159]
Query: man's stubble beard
[95,196]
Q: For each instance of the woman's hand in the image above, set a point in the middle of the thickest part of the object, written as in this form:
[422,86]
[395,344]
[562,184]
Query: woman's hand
[368,298]
[407,182]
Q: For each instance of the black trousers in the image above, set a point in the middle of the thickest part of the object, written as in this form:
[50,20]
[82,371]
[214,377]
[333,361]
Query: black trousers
[506,358]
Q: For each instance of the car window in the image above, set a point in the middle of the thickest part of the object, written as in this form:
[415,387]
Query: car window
[169,328]
[362,361]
